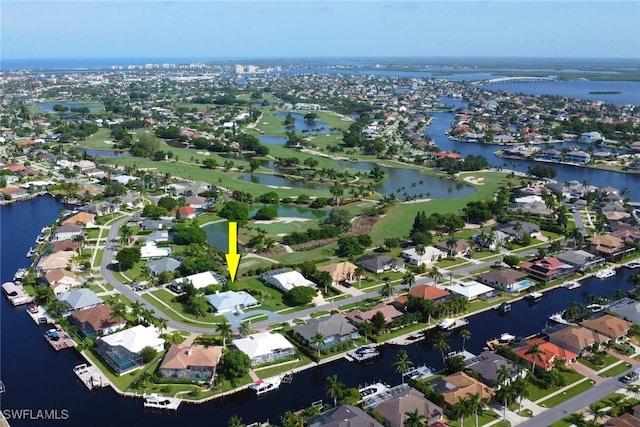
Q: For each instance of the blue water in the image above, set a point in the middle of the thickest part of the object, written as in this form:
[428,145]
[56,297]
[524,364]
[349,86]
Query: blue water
[39,378]
[272,139]
[102,153]
[48,106]
[304,126]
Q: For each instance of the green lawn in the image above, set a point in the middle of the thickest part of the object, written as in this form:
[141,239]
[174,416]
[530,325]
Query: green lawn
[177,308]
[615,371]
[608,361]
[97,140]
[537,393]
[93,233]
[270,298]
[486,417]
[567,394]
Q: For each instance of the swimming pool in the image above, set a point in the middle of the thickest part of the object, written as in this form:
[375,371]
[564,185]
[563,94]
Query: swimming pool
[521,285]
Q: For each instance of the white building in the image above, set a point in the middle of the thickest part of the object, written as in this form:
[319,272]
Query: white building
[286,280]
[590,137]
[431,255]
[225,302]
[150,250]
[265,347]
[470,290]
[201,280]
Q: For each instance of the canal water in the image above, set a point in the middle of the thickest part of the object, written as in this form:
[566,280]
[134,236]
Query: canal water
[38,378]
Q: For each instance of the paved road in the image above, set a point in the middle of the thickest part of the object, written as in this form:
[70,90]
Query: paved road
[577,219]
[577,403]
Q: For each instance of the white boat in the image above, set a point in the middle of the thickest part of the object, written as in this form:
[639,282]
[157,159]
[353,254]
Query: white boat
[534,296]
[265,386]
[31,252]
[362,354]
[449,324]
[557,317]
[595,308]
[418,372]
[20,274]
[158,401]
[572,285]
[632,264]
[607,272]
[446,323]
[507,337]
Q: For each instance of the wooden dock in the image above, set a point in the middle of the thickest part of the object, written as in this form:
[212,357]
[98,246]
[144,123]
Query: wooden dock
[91,376]
[59,339]
[39,315]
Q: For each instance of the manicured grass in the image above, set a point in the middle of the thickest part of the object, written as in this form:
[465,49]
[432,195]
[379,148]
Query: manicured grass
[283,367]
[176,309]
[323,252]
[567,394]
[537,393]
[98,260]
[615,371]
[402,331]
[93,233]
[608,361]
[270,298]
[399,218]
[121,381]
[97,140]
[485,417]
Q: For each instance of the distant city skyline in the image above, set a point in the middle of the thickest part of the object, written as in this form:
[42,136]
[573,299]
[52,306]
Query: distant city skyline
[304,29]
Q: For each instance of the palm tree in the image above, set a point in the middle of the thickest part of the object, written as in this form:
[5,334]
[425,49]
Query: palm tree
[440,342]
[597,409]
[244,329]
[409,278]
[461,409]
[465,335]
[162,324]
[235,421]
[475,402]
[136,310]
[536,354]
[126,233]
[387,289]
[359,272]
[402,362]
[435,274]
[224,329]
[334,389]
[505,394]
[420,250]
[616,403]
[452,242]
[318,340]
[521,387]
[517,227]
[504,374]
[118,310]
[414,419]
[147,316]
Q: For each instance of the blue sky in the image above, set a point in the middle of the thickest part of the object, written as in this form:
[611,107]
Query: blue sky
[298,29]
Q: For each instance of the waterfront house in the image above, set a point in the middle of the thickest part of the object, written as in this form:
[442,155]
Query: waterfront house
[190,362]
[63,245]
[61,280]
[608,246]
[198,280]
[406,399]
[231,301]
[626,232]
[432,293]
[67,231]
[430,256]
[590,137]
[103,208]
[14,193]
[265,347]
[577,157]
[161,265]
[470,290]
[460,249]
[550,354]
[549,268]
[151,250]
[185,212]
[609,325]
[343,416]
[577,339]
[460,385]
[121,350]
[389,312]
[157,236]
[80,299]
[54,261]
[627,309]
[505,279]
[97,321]
[286,280]
[341,272]
[379,263]
[550,155]
[196,202]
[334,328]
[581,260]
[487,364]
[84,218]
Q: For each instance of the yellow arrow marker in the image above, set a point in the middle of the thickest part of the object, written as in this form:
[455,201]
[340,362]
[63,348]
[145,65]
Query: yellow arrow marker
[233,258]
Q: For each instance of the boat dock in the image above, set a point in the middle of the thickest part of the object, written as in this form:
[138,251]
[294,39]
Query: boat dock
[59,339]
[16,294]
[157,401]
[449,324]
[418,372]
[39,315]
[91,376]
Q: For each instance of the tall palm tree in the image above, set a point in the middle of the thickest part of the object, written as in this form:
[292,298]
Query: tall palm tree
[224,329]
[235,421]
[505,393]
[359,272]
[504,374]
[440,342]
[334,388]
[597,409]
[402,363]
[536,354]
[118,310]
[318,340]
[387,289]
[420,250]
[461,409]
[414,419]
[244,329]
[616,403]
[435,274]
[161,323]
[136,310]
[451,243]
[465,334]
[521,387]
[409,278]
[126,233]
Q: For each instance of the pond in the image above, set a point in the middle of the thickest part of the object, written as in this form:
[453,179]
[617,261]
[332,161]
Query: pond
[272,139]
[218,232]
[101,153]
[48,106]
[304,126]
[280,182]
